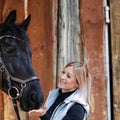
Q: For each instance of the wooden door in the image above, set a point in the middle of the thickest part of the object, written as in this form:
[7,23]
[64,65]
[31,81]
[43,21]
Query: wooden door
[62,31]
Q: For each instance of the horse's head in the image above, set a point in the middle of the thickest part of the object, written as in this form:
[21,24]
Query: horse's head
[18,76]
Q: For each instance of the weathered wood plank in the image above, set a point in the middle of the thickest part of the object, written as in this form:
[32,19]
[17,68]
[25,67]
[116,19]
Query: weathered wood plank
[42,41]
[92,19]
[68,32]
[1,106]
[115,48]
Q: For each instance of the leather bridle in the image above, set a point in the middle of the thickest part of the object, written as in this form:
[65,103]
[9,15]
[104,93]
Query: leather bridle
[10,78]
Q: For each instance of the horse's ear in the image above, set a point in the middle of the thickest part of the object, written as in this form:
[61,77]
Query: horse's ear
[25,23]
[11,17]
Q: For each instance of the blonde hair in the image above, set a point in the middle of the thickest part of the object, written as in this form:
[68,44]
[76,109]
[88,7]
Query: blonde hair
[83,79]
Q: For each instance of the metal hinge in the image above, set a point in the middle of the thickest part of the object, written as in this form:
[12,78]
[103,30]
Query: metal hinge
[107,14]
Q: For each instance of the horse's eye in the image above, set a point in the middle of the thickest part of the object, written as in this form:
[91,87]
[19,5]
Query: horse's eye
[9,50]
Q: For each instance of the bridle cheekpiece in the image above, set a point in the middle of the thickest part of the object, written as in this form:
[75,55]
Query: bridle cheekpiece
[10,78]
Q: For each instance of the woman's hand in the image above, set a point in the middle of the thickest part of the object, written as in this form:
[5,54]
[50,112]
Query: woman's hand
[37,113]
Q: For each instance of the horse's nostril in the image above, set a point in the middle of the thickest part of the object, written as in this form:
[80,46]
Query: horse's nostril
[33,97]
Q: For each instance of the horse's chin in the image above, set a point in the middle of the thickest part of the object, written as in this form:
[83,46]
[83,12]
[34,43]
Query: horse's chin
[27,108]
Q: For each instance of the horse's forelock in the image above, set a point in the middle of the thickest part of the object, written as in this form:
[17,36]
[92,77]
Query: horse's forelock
[14,30]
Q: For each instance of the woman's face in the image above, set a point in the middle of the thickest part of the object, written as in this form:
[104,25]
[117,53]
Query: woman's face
[67,80]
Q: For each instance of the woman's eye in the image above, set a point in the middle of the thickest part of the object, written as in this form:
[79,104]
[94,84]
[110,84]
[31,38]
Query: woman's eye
[68,76]
[63,72]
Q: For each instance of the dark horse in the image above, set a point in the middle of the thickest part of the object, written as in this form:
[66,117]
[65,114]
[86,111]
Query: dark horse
[17,76]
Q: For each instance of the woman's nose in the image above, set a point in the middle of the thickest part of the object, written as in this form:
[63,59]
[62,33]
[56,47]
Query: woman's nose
[63,76]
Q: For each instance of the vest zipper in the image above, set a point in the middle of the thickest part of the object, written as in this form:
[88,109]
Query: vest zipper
[55,110]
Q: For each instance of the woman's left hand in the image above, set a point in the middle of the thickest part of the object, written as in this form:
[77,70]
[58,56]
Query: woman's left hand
[38,113]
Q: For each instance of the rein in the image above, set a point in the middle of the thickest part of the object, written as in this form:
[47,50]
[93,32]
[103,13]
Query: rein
[10,78]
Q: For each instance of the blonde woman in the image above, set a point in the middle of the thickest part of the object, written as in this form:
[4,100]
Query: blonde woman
[70,101]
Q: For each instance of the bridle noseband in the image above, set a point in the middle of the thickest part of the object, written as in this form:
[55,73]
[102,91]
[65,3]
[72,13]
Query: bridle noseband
[10,78]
